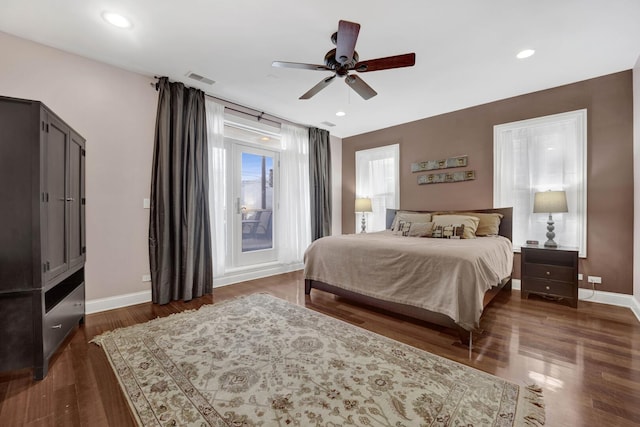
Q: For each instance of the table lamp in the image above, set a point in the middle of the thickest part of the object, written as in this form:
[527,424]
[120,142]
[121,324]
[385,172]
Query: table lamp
[363,205]
[550,202]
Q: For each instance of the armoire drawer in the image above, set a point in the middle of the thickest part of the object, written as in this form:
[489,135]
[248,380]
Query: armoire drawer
[61,319]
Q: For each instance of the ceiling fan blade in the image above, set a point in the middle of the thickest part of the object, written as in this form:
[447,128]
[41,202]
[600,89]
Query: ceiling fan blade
[317,88]
[346,43]
[398,61]
[361,88]
[299,65]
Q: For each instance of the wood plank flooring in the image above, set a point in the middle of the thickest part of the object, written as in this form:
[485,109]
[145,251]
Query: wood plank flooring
[586,360]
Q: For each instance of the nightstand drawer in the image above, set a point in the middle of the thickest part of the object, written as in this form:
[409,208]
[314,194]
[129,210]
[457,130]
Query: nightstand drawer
[549,287]
[546,271]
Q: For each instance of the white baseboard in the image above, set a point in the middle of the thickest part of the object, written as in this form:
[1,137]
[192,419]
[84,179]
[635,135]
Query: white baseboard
[255,273]
[635,307]
[602,297]
[118,301]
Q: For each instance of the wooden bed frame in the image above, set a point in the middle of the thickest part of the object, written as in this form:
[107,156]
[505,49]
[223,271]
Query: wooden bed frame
[419,313]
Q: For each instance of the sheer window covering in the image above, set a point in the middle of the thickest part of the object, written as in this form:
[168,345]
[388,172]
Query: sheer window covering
[545,153]
[377,177]
[294,234]
[217,184]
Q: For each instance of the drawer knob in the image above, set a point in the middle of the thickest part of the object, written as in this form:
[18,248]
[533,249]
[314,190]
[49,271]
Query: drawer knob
[58,326]
[548,273]
[547,287]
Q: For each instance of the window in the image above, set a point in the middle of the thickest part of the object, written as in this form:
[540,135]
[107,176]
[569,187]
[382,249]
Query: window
[377,178]
[545,153]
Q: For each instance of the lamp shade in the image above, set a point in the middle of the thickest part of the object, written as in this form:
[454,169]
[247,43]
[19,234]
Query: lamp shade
[363,205]
[550,202]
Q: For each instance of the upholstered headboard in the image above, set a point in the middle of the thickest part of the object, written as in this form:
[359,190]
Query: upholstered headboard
[506,224]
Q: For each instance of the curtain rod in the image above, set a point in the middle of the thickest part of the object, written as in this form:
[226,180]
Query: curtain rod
[241,109]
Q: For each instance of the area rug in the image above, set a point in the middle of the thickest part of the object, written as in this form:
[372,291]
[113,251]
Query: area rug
[261,361]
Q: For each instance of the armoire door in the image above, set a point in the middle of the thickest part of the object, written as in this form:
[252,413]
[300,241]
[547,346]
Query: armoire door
[56,144]
[75,201]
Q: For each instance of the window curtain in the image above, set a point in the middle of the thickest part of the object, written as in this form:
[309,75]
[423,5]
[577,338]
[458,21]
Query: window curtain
[294,222]
[217,184]
[320,181]
[377,178]
[546,153]
[179,232]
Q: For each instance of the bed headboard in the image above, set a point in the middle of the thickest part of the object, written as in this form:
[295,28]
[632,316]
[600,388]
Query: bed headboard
[506,224]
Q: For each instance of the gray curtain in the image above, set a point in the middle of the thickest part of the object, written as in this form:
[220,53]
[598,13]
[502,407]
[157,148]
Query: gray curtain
[179,230]
[320,182]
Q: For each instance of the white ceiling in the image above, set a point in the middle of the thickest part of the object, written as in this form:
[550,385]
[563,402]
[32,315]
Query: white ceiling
[465,49]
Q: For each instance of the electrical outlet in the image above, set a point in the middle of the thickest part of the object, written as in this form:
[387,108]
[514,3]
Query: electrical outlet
[146,203]
[580,276]
[146,277]
[595,279]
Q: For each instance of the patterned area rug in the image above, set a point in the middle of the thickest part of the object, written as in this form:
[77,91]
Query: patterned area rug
[260,361]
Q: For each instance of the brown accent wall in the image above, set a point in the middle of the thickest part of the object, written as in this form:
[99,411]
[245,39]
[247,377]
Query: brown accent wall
[609,103]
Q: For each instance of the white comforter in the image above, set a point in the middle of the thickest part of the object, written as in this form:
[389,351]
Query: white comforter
[446,276]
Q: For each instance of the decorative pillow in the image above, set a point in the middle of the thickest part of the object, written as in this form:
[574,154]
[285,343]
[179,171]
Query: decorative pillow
[410,216]
[451,231]
[489,224]
[470,223]
[403,228]
[421,229]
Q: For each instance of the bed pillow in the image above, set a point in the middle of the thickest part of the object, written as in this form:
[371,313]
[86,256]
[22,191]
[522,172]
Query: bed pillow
[421,229]
[411,217]
[489,224]
[451,231]
[470,223]
[402,228]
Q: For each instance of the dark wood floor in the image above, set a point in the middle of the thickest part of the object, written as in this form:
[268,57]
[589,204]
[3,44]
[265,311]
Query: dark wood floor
[586,360]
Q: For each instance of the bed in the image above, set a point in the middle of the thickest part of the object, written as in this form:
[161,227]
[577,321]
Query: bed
[448,282]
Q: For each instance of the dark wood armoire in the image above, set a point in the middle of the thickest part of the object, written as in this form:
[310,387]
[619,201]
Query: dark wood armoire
[42,233]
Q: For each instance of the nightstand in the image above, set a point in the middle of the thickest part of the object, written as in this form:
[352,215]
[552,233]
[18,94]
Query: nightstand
[551,272]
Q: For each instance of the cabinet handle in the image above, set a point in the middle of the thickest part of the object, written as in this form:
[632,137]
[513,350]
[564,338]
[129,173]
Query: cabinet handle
[70,199]
[77,304]
[58,326]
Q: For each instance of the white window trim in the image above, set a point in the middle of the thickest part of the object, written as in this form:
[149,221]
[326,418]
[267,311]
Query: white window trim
[579,119]
[372,153]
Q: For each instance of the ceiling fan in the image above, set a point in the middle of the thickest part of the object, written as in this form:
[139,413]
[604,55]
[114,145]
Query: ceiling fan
[344,58]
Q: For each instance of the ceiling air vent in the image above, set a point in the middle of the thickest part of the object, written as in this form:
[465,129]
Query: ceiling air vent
[199,78]
[328,124]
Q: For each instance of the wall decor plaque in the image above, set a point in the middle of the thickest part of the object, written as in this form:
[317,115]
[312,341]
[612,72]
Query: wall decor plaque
[437,178]
[451,162]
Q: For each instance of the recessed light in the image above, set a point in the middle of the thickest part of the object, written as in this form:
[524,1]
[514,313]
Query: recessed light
[265,138]
[116,20]
[525,53]
[341,114]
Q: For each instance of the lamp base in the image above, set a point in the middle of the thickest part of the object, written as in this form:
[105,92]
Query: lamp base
[550,234]
[363,226]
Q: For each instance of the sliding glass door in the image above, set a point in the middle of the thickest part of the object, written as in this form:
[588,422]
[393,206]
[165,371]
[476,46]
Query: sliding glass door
[255,195]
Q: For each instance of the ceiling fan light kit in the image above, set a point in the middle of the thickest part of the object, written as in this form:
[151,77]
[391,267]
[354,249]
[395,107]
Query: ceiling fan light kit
[344,58]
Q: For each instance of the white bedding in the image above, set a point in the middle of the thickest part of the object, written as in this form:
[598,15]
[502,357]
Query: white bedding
[441,275]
